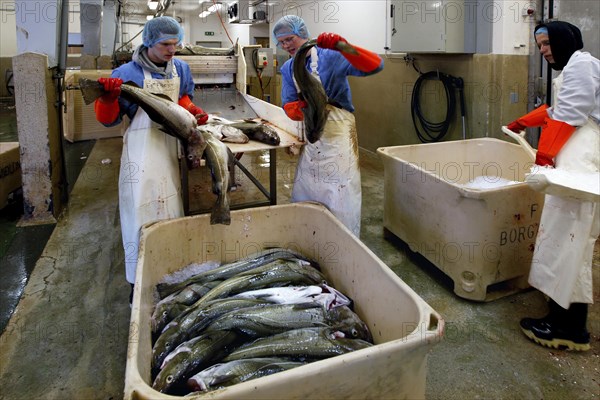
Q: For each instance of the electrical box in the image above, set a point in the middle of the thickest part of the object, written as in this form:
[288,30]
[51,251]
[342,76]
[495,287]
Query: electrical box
[247,11]
[259,61]
[431,26]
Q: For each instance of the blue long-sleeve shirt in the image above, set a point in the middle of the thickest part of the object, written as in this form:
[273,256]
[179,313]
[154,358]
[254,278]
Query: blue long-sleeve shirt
[333,70]
[133,72]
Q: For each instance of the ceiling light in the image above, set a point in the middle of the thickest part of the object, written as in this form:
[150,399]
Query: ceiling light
[153,4]
[204,14]
[149,17]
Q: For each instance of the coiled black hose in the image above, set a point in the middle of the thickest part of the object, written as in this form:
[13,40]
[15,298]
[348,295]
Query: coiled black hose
[435,131]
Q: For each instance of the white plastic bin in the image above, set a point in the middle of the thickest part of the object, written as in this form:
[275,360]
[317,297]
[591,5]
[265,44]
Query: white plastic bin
[482,238]
[403,325]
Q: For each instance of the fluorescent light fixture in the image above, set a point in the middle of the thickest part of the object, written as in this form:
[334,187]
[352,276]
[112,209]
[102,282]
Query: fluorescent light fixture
[153,4]
[204,14]
[214,8]
[149,17]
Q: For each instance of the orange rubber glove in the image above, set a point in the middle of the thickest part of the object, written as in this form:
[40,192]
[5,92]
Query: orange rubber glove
[293,109]
[534,118]
[107,105]
[196,111]
[554,136]
[365,60]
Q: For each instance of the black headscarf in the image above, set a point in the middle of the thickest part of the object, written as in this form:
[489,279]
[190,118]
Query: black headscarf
[565,39]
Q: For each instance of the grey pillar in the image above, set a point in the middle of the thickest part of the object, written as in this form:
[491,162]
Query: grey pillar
[39,139]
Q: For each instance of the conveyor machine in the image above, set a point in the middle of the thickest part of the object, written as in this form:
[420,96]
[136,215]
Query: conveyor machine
[223,79]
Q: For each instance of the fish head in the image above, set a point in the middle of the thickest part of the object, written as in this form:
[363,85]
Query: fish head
[348,322]
[160,317]
[172,371]
[196,145]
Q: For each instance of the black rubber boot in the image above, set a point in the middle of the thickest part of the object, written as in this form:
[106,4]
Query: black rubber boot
[131,296]
[560,328]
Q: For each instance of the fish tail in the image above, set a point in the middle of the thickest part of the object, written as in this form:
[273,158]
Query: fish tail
[220,213]
[347,48]
[91,90]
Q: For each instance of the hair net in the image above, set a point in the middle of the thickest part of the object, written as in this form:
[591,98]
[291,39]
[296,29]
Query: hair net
[541,31]
[565,39]
[290,25]
[160,29]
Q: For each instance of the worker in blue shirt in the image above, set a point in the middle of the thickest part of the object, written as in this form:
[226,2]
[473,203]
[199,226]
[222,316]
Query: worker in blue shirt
[327,170]
[149,179]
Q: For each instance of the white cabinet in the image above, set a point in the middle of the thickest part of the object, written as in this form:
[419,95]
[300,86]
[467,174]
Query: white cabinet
[430,26]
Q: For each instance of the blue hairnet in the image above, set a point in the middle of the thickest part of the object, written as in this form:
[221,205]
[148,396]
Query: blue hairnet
[541,30]
[290,25]
[160,29]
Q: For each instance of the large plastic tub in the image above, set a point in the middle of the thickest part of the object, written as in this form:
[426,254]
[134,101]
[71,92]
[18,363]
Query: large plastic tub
[403,325]
[482,238]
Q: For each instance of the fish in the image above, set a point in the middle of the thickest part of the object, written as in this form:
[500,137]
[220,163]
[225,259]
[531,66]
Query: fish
[305,343]
[312,91]
[270,319]
[226,133]
[192,322]
[228,270]
[252,129]
[169,307]
[322,294]
[191,357]
[258,131]
[174,119]
[196,50]
[282,272]
[219,159]
[233,372]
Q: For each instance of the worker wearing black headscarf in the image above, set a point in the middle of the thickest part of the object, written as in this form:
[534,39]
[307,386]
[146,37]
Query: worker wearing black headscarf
[570,141]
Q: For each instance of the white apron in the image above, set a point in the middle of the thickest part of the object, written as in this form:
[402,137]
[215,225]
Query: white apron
[149,178]
[562,261]
[328,170]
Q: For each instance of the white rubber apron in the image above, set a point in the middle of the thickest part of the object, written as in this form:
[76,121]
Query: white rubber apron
[562,261]
[149,178]
[328,170]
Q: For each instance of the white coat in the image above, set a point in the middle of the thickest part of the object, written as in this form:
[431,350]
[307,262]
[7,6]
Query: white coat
[149,178]
[562,261]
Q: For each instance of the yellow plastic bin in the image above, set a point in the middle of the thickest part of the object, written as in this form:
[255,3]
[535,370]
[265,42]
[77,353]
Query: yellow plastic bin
[482,236]
[404,327]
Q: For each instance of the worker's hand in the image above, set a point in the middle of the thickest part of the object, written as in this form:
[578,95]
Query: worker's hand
[293,109]
[200,115]
[328,40]
[542,159]
[112,86]
[516,127]
[196,111]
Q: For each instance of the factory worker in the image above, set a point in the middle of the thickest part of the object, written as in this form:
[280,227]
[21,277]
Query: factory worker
[327,170]
[570,140]
[149,179]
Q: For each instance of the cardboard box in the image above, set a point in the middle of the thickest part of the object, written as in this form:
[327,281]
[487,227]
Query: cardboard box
[10,170]
[79,120]
[482,238]
[404,327]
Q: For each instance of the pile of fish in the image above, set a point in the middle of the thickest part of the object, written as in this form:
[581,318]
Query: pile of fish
[266,313]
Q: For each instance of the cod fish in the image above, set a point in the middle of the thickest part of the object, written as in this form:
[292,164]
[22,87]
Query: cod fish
[174,119]
[172,305]
[323,294]
[192,356]
[312,91]
[252,129]
[225,133]
[230,269]
[233,372]
[305,343]
[267,320]
[192,322]
[219,159]
[277,273]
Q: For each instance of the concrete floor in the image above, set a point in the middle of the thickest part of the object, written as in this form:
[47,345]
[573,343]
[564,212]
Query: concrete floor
[68,337]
